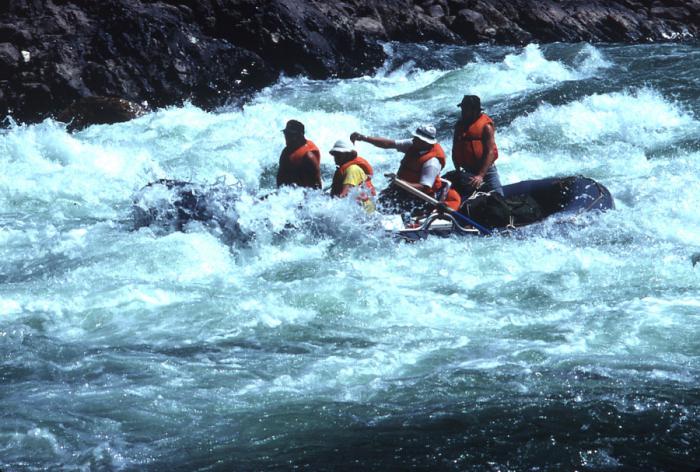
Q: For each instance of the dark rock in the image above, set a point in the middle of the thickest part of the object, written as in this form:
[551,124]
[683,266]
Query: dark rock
[9,60]
[569,20]
[471,25]
[673,13]
[371,27]
[99,110]
[35,96]
[186,11]
[11,33]
[456,5]
[216,52]
[169,205]
[436,11]
[694,7]
[317,39]
[547,23]
[403,23]
[502,22]
[129,49]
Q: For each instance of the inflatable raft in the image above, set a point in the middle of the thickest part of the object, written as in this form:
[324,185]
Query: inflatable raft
[522,204]
[171,204]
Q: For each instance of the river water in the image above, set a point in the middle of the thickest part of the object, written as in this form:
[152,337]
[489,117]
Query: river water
[331,346]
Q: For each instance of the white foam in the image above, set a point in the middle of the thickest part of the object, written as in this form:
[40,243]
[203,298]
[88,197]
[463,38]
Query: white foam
[641,118]
[373,316]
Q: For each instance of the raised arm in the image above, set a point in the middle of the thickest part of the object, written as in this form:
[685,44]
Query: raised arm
[383,143]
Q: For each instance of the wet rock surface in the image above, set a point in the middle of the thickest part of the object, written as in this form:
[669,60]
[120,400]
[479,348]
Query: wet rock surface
[217,52]
[87,111]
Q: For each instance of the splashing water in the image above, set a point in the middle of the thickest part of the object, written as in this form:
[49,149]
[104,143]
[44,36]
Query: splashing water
[304,337]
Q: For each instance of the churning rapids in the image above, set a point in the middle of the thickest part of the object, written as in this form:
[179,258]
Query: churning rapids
[331,346]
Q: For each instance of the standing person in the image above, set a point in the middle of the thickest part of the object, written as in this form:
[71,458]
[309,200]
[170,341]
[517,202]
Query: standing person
[474,150]
[353,171]
[300,160]
[420,167]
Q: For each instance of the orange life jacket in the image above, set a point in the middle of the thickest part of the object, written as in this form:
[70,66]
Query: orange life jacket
[452,199]
[412,164]
[291,166]
[339,176]
[296,156]
[468,149]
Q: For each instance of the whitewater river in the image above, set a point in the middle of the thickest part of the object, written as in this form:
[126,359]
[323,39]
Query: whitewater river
[332,346]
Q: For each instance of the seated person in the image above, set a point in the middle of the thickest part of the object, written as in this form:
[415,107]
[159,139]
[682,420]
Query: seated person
[353,172]
[423,159]
[474,150]
[300,160]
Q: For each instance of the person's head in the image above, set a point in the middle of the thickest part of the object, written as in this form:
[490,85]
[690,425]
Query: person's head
[294,132]
[471,108]
[424,137]
[343,151]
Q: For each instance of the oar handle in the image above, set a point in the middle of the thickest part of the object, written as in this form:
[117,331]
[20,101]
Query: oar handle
[427,198]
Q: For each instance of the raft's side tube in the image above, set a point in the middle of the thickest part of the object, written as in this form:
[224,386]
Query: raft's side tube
[584,194]
[564,194]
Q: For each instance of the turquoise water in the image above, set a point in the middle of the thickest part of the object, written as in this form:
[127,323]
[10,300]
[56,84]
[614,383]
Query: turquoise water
[331,347]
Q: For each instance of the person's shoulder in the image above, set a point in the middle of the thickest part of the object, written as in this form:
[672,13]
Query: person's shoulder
[354,169]
[313,155]
[489,126]
[354,175]
[403,144]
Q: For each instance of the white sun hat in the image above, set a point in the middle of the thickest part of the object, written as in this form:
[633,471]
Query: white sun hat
[342,145]
[426,133]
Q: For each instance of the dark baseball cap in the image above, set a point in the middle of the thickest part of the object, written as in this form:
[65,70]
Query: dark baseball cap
[470,101]
[294,127]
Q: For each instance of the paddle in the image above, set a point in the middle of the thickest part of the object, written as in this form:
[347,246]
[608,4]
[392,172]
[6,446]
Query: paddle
[425,197]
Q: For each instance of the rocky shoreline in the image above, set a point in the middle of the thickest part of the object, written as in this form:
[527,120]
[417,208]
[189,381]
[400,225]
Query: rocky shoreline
[212,52]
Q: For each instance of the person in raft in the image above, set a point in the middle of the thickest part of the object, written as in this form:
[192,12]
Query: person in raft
[420,167]
[300,160]
[474,150]
[354,174]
